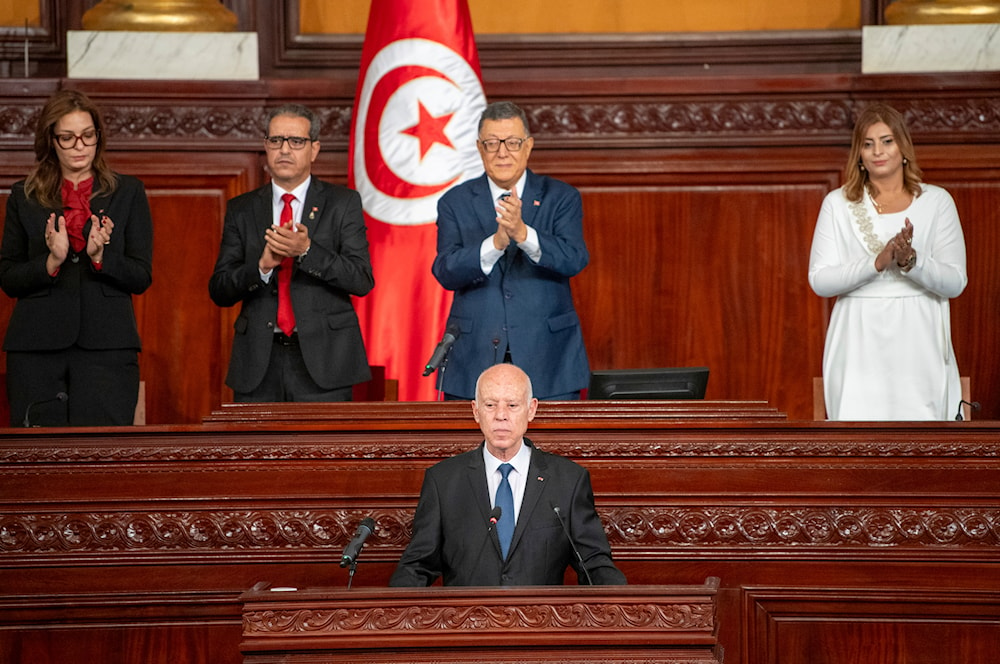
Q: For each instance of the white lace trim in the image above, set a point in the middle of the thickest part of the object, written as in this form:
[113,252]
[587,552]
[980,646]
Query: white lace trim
[864,222]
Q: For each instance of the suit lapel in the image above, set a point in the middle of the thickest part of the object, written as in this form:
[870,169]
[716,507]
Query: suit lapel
[534,489]
[476,476]
[98,207]
[312,208]
[529,197]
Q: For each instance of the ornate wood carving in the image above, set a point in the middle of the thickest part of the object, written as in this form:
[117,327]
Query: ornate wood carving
[482,617]
[578,124]
[635,623]
[662,528]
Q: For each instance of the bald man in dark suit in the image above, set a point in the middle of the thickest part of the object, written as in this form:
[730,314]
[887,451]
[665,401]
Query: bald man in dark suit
[452,535]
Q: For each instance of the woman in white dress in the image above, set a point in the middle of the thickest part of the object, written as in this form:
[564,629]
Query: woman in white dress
[891,250]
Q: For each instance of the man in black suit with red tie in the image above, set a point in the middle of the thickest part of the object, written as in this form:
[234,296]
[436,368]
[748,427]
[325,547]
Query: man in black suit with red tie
[293,253]
[452,535]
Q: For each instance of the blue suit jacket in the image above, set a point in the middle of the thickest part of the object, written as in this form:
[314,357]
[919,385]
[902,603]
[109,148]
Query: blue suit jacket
[522,305]
[452,539]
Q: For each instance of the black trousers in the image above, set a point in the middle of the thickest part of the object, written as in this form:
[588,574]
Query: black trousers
[288,379]
[101,387]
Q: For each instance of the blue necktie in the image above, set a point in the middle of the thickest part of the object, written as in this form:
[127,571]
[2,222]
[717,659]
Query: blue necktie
[505,501]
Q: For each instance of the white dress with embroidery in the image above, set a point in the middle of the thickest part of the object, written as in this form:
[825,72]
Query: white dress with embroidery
[888,353]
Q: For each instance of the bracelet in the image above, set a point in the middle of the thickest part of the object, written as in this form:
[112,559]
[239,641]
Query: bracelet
[303,254]
[908,265]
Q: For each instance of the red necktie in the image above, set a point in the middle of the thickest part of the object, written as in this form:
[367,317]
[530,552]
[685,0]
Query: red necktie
[286,317]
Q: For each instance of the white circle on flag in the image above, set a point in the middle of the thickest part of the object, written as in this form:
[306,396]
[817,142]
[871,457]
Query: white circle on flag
[401,179]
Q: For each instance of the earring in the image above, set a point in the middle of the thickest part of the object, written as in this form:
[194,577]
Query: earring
[905,161]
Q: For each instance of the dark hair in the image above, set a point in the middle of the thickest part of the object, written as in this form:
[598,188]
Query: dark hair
[855,176]
[504,110]
[44,182]
[299,111]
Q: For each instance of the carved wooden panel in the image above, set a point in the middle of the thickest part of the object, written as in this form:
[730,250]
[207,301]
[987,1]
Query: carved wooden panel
[789,625]
[175,522]
[701,195]
[635,623]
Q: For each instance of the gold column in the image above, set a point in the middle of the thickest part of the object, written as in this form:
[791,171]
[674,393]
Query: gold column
[919,12]
[160,16]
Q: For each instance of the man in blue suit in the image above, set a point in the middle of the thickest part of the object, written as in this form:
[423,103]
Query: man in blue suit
[508,243]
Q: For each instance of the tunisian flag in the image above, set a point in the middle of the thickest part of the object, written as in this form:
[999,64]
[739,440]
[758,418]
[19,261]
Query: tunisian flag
[413,136]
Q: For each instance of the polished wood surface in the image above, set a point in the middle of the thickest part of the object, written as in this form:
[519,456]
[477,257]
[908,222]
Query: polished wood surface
[700,194]
[619,625]
[821,534]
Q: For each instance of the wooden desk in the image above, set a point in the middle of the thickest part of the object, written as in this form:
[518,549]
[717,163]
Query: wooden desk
[837,534]
[650,624]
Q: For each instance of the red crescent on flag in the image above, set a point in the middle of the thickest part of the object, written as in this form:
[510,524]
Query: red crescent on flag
[378,171]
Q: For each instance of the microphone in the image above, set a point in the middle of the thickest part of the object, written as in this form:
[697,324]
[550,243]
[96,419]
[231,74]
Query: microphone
[353,550]
[974,405]
[441,351]
[60,396]
[494,517]
[562,522]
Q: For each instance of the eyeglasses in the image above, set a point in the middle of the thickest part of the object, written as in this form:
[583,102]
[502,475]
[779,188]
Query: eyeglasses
[68,141]
[513,144]
[294,142]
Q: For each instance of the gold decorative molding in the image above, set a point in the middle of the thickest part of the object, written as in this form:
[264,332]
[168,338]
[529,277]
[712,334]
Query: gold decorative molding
[160,16]
[923,12]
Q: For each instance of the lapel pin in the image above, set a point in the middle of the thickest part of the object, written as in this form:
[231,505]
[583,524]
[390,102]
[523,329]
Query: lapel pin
[537,202]
[312,214]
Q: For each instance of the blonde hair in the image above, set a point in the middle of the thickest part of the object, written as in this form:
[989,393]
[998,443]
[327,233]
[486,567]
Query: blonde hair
[855,175]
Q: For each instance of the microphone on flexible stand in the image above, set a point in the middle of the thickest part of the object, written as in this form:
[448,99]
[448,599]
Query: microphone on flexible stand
[494,517]
[441,350]
[562,522]
[974,405]
[60,396]
[353,549]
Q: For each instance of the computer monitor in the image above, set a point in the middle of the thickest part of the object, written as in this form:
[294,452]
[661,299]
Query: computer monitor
[669,383]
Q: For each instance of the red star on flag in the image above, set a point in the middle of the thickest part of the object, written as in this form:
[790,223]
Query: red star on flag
[419,76]
[430,130]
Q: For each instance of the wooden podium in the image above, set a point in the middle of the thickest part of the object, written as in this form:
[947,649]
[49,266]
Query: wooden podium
[580,624]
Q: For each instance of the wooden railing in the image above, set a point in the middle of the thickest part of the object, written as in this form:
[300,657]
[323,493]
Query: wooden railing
[820,533]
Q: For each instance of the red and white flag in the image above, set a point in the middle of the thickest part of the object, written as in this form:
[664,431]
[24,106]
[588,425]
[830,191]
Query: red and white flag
[413,136]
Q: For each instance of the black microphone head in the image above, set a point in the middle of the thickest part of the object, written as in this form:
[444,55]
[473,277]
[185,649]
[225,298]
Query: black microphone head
[368,523]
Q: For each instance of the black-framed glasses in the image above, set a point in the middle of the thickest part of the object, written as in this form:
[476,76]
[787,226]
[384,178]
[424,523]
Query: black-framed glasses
[68,140]
[513,144]
[294,142]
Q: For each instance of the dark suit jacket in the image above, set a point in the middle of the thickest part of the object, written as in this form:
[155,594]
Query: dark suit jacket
[336,267]
[450,537]
[80,305]
[520,304]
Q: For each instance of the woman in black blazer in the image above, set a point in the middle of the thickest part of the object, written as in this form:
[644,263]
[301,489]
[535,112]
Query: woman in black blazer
[77,244]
